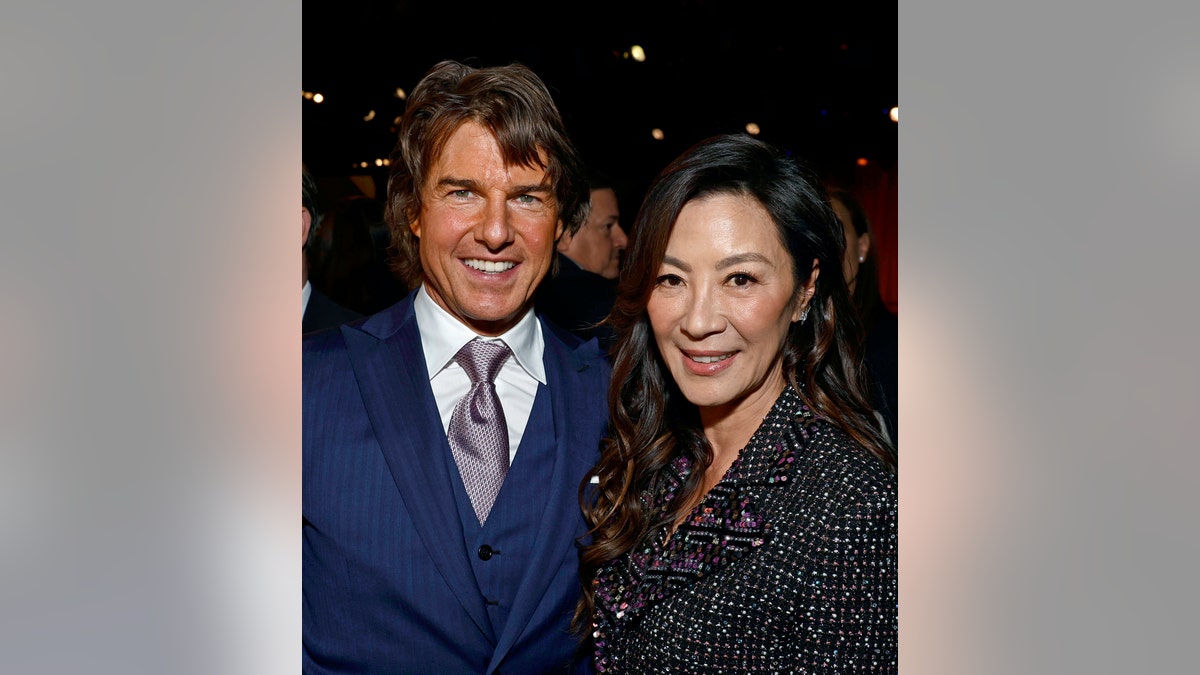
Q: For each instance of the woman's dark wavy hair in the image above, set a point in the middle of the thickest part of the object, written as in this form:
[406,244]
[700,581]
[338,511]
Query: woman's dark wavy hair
[651,422]
[509,101]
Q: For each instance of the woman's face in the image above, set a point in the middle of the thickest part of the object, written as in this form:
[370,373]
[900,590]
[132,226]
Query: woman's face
[722,304]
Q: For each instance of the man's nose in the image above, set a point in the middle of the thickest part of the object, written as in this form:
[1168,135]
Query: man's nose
[495,229]
[619,239]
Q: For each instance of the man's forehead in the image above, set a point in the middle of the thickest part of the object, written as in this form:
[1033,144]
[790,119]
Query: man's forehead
[471,151]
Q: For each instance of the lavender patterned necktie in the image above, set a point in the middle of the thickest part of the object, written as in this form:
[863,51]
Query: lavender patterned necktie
[478,432]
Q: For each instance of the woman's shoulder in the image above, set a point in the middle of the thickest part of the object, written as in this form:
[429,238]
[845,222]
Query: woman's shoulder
[838,460]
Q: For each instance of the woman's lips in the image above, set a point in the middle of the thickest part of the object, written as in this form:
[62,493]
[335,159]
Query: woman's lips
[707,362]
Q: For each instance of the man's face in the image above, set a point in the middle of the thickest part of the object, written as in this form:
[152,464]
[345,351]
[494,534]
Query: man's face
[597,246]
[486,231]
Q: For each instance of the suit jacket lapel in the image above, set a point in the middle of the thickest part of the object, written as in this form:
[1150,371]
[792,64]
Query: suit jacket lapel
[573,398]
[394,382]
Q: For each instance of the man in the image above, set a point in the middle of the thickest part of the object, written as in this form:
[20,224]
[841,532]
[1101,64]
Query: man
[411,563]
[318,310]
[581,294]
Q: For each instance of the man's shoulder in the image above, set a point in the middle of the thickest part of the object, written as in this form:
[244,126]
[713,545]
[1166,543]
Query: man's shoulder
[382,325]
[323,312]
[586,352]
[324,353]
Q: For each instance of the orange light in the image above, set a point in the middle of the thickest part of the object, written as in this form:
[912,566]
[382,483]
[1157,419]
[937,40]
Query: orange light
[862,161]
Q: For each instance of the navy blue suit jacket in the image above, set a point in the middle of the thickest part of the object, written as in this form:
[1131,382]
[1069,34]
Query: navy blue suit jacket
[387,582]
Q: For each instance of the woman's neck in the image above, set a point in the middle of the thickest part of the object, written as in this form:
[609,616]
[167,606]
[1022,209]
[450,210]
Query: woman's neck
[729,428]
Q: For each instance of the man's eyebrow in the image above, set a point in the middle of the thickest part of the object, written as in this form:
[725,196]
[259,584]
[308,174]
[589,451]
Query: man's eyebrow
[469,184]
[464,183]
[539,187]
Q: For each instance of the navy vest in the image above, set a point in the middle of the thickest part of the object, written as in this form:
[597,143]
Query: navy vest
[500,550]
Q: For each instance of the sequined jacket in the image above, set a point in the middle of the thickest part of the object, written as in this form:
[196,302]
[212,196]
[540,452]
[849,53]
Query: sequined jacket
[787,566]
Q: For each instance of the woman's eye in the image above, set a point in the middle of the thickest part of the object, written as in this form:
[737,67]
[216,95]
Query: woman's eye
[742,279]
[669,280]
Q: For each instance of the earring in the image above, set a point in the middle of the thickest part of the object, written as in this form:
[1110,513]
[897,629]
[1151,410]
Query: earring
[862,258]
[803,314]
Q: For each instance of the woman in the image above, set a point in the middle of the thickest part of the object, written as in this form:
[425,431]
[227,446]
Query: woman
[745,517]
[880,329]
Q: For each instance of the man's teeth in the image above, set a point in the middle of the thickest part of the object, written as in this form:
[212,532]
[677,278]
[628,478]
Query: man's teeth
[490,265]
[710,359]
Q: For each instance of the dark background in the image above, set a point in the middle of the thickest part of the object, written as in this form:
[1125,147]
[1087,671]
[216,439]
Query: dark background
[818,79]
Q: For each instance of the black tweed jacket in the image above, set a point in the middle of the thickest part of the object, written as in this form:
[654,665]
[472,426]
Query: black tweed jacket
[787,566]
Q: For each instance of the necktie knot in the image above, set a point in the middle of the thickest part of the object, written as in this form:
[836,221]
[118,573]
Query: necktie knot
[482,360]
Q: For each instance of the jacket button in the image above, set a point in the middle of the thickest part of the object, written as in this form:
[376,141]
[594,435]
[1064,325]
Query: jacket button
[485,552]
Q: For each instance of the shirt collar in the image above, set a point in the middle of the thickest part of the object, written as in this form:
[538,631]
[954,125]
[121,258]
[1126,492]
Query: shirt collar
[442,336]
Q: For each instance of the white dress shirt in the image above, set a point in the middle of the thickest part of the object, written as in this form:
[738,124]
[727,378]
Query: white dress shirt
[442,336]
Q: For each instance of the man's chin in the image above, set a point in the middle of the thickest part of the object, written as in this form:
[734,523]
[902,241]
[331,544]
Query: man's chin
[494,321]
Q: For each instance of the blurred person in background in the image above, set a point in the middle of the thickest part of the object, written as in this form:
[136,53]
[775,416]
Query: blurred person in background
[353,266]
[580,293]
[745,516]
[318,311]
[880,328]
[445,437]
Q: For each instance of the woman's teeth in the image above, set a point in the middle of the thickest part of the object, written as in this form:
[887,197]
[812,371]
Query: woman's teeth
[710,359]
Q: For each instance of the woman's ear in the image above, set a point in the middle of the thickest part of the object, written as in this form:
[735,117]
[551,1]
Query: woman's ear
[864,246]
[810,286]
[805,293]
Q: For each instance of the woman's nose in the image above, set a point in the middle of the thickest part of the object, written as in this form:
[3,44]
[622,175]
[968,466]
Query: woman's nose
[703,316]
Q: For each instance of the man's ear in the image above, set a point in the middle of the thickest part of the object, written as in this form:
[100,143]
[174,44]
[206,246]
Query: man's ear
[563,239]
[414,226]
[306,223]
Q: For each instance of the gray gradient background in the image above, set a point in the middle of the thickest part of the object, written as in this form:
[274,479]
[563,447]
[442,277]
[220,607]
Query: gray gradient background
[149,351]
